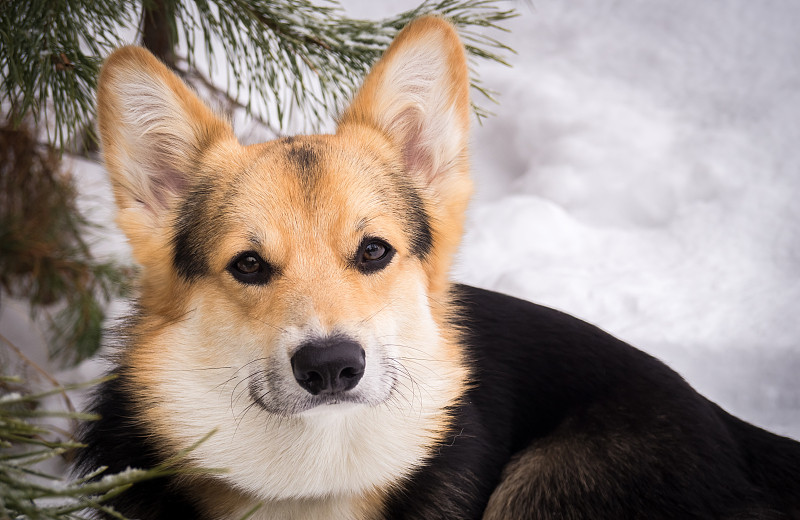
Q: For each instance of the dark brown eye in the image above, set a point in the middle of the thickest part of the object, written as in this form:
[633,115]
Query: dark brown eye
[248,265]
[373,255]
[250,268]
[373,251]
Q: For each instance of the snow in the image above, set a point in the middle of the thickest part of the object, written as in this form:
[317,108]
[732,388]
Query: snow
[641,173]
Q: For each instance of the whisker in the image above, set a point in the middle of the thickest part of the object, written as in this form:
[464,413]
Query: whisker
[371,316]
[249,379]
[421,364]
[416,387]
[395,371]
[235,374]
[404,346]
[196,369]
[276,327]
[420,387]
[246,388]
[247,409]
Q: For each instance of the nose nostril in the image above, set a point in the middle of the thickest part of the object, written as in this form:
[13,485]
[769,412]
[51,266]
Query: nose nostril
[312,381]
[311,377]
[349,373]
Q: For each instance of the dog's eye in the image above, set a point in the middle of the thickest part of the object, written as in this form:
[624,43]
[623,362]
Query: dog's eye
[250,268]
[373,255]
[248,265]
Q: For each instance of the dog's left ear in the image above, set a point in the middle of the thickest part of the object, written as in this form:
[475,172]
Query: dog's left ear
[418,96]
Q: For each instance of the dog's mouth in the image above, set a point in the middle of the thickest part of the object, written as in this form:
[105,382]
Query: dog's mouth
[323,401]
[339,403]
[296,401]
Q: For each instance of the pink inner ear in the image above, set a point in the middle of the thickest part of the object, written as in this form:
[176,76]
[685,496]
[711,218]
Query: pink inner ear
[417,155]
[166,183]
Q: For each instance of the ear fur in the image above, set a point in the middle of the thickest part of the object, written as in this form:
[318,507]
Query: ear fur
[153,129]
[417,96]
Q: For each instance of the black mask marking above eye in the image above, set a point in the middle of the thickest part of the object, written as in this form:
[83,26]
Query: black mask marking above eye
[373,255]
[250,268]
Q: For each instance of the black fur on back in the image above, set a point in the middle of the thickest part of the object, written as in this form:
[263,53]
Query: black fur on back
[596,428]
[563,422]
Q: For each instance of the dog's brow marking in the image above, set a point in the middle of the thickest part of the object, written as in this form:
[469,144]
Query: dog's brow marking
[254,241]
[193,230]
[421,234]
[362,224]
[415,214]
[254,244]
[304,157]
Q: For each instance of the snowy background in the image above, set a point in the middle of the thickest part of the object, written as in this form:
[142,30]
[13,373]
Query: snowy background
[642,173]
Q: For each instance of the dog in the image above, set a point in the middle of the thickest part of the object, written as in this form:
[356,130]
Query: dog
[295,314]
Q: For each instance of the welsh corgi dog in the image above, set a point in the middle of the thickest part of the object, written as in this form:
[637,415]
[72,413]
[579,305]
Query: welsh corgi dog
[294,307]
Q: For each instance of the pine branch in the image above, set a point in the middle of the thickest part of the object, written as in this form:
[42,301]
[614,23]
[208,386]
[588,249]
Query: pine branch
[42,372]
[50,54]
[28,492]
[196,79]
[295,57]
[290,61]
[44,256]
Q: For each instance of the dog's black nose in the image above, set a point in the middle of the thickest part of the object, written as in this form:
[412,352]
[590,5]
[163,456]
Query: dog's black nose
[328,365]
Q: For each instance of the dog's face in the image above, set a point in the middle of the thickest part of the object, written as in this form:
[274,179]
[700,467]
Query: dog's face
[304,251]
[293,292]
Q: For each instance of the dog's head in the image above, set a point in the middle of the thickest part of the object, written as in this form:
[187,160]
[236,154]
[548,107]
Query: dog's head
[294,292]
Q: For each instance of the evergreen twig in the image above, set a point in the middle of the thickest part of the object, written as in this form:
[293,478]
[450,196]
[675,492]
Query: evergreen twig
[26,491]
[289,61]
[44,254]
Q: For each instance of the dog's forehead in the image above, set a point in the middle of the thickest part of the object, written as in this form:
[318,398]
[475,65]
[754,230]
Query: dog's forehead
[330,174]
[333,176]
[319,175]
[315,159]
[294,186]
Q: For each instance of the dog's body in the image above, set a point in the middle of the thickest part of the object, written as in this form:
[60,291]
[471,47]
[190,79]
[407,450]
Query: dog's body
[295,301]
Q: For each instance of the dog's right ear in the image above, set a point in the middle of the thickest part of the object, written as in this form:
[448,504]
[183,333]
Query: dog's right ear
[153,129]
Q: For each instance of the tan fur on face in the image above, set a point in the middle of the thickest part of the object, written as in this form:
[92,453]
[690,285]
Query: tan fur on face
[417,96]
[212,353]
